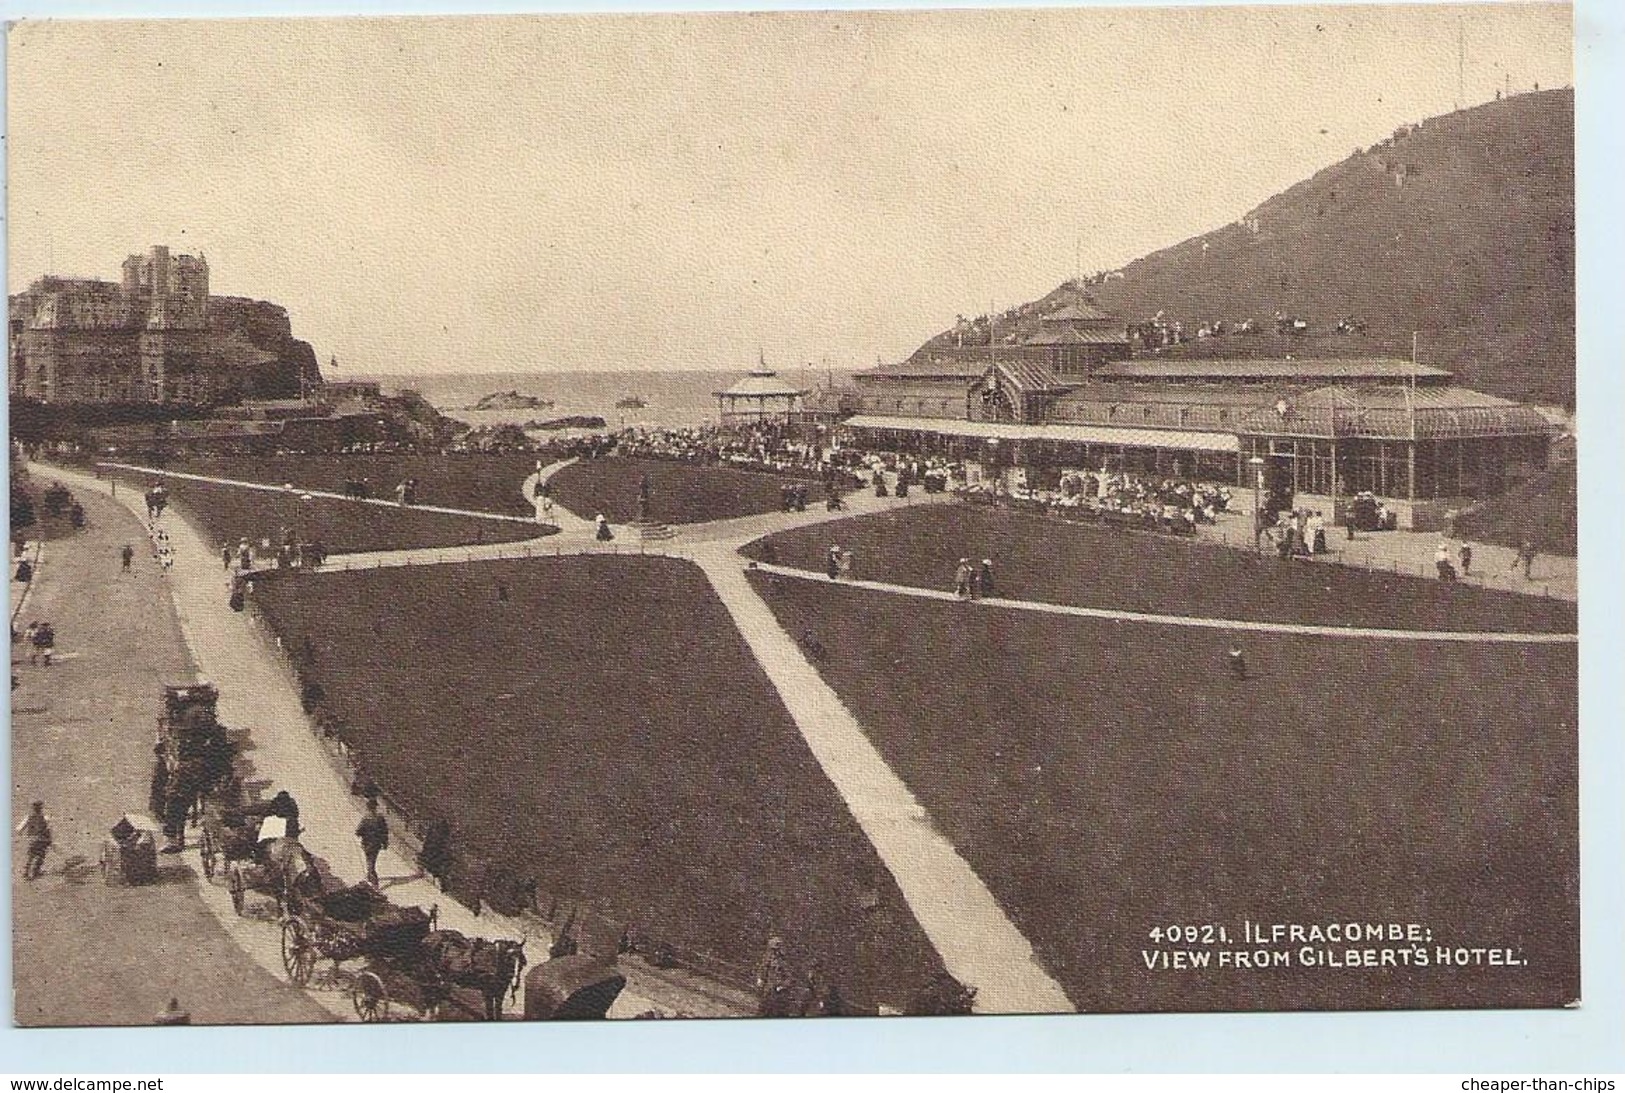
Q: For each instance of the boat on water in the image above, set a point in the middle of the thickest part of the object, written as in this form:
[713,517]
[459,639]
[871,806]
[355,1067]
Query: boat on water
[632,402]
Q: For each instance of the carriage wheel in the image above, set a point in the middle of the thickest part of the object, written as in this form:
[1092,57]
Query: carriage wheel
[239,889]
[298,951]
[370,998]
[208,849]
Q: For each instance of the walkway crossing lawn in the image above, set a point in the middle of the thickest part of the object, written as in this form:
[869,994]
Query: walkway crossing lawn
[1041,558]
[597,724]
[479,482]
[227,514]
[1108,778]
[679,493]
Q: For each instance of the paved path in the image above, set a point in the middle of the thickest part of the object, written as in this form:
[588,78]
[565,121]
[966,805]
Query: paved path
[566,520]
[258,691]
[1412,553]
[975,938]
[265,487]
[1485,637]
[978,943]
[82,734]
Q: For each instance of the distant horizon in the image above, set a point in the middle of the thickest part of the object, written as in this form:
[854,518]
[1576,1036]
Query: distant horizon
[468,195]
[377,374]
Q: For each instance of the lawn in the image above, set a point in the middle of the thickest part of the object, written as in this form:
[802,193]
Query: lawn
[1105,778]
[1039,558]
[227,514]
[679,493]
[464,480]
[598,725]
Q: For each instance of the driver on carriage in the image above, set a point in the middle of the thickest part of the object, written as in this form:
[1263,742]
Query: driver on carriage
[284,806]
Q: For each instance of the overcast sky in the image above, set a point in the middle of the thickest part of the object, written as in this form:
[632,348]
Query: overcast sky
[535,193]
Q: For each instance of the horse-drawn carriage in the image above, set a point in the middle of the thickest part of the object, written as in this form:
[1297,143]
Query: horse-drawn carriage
[406,962]
[193,756]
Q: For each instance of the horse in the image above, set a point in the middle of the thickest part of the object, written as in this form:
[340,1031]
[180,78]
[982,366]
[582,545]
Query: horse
[493,968]
[291,873]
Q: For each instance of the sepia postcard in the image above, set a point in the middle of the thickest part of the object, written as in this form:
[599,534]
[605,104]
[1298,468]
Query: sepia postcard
[768,515]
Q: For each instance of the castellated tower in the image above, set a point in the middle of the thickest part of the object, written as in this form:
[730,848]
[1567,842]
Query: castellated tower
[170,300]
[143,338]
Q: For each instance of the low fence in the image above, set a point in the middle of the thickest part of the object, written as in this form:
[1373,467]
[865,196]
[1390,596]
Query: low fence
[393,559]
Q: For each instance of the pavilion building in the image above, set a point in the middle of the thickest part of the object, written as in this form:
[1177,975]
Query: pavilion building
[1069,397]
[761,396]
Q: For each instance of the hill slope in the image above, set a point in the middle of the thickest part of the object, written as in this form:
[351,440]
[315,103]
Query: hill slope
[1461,229]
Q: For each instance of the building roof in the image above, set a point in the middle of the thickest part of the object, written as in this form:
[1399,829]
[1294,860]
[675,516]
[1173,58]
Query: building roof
[1398,412]
[1331,369]
[1027,376]
[761,383]
[1173,394]
[1077,313]
[934,366]
[1167,439]
[1056,334]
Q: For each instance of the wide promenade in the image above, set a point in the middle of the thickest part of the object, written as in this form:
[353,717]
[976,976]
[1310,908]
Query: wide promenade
[82,735]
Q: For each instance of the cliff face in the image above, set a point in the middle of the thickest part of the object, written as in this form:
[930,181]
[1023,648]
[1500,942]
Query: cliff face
[254,339]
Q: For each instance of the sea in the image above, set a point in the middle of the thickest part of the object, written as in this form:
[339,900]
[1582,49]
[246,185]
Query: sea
[672,399]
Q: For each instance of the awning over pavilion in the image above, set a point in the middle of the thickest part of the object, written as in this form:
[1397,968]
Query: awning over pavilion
[1167,439]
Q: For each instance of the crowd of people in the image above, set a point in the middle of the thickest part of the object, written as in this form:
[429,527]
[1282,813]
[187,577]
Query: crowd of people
[1164,504]
[1297,533]
[764,448]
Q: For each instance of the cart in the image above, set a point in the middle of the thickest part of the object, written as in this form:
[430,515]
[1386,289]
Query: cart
[132,860]
[230,829]
[277,867]
[359,923]
[194,754]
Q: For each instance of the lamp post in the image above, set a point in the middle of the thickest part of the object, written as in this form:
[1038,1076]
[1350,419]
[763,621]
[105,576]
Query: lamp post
[1257,464]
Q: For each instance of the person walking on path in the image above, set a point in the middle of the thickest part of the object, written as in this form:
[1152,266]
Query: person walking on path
[373,831]
[962,579]
[1441,561]
[1466,559]
[434,859]
[833,565]
[126,556]
[36,829]
[225,556]
[1525,558]
[44,644]
[987,576]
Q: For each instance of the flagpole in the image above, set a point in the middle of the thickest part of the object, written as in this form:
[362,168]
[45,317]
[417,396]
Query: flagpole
[1410,391]
[1410,402]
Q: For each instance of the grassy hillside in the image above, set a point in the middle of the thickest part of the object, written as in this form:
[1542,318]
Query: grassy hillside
[1543,510]
[1461,228]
